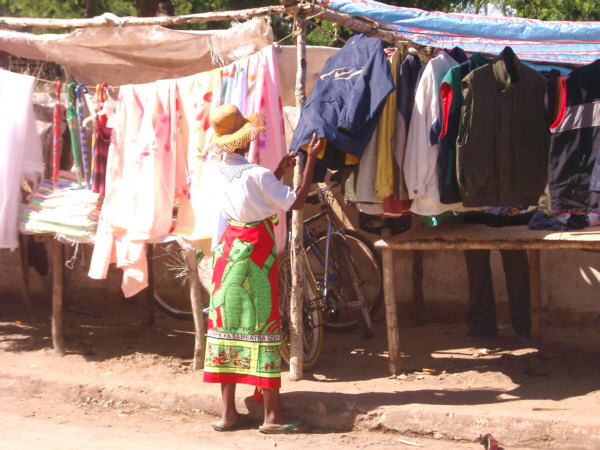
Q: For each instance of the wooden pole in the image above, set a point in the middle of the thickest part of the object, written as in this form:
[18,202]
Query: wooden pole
[298,289]
[535,286]
[418,297]
[58,257]
[198,294]
[310,10]
[108,19]
[391,312]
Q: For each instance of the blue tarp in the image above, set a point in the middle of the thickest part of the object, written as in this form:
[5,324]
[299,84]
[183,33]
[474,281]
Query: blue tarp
[532,40]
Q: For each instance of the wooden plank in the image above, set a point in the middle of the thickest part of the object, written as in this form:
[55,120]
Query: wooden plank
[535,287]
[474,236]
[391,313]
[58,258]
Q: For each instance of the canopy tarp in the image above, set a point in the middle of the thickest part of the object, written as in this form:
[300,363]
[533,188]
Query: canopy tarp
[532,40]
[121,55]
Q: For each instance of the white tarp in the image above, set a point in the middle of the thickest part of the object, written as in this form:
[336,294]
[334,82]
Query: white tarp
[121,55]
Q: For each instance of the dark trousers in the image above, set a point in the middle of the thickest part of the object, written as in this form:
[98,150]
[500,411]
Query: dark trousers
[481,316]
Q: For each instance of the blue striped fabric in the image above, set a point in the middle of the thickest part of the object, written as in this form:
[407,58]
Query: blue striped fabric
[532,40]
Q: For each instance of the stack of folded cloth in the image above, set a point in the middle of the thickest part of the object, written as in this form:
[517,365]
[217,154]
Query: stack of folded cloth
[69,210]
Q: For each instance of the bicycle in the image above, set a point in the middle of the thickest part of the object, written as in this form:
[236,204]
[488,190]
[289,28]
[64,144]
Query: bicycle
[171,290]
[338,296]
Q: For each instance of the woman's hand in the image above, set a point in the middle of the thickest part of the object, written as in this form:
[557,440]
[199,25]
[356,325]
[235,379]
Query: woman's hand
[287,162]
[315,146]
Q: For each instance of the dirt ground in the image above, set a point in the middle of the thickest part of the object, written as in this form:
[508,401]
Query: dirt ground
[557,379]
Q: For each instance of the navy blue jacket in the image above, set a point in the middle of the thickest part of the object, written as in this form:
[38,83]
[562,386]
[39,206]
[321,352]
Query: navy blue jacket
[346,101]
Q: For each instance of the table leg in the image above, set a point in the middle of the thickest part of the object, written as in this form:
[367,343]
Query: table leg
[197,295]
[23,250]
[391,312]
[418,297]
[535,294]
[58,258]
[148,316]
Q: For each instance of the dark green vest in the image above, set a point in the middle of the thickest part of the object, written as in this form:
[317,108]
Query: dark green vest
[503,141]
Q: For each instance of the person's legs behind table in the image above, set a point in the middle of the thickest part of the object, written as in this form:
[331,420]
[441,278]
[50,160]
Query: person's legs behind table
[481,315]
[516,273]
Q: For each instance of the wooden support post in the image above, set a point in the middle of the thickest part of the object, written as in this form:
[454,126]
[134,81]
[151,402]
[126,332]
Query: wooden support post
[297,294]
[418,297]
[198,294]
[391,312]
[23,254]
[148,316]
[58,259]
[535,286]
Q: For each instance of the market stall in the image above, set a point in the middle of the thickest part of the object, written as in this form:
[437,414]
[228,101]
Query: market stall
[572,45]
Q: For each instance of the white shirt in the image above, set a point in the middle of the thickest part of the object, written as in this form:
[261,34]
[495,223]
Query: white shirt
[20,150]
[248,192]
[420,159]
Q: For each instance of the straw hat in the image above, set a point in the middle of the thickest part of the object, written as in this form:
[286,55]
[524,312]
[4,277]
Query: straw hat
[232,129]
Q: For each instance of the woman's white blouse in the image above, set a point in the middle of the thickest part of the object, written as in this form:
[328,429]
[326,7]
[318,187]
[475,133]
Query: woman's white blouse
[248,192]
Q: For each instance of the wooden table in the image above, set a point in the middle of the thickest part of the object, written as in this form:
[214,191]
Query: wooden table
[198,295]
[474,237]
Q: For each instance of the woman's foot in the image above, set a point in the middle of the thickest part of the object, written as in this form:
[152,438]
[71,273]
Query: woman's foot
[291,426]
[242,422]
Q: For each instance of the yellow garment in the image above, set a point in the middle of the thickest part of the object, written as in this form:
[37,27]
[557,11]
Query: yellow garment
[384,177]
[199,94]
[349,160]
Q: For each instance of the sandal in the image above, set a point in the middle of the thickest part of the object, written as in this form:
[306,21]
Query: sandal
[296,426]
[243,422]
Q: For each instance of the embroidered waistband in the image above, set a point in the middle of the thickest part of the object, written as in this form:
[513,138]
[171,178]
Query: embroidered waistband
[274,220]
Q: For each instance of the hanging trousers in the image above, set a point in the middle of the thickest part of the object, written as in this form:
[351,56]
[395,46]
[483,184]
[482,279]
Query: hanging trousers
[481,316]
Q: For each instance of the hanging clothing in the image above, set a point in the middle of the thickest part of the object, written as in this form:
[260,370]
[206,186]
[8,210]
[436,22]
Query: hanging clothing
[145,171]
[199,93]
[364,186]
[20,150]
[503,141]
[386,140]
[101,145]
[407,84]
[452,99]
[252,84]
[420,159]
[243,339]
[346,102]
[575,143]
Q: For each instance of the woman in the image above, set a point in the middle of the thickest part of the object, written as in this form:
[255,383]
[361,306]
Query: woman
[243,338]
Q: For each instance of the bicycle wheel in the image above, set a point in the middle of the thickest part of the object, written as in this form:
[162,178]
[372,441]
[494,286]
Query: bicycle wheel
[169,271]
[311,316]
[368,266]
[350,280]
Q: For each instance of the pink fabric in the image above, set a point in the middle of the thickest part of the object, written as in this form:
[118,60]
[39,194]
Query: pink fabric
[145,170]
[270,148]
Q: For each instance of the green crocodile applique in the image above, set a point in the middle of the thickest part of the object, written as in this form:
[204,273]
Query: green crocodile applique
[244,296]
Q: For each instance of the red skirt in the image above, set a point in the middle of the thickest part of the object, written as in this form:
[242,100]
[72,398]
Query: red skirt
[243,342]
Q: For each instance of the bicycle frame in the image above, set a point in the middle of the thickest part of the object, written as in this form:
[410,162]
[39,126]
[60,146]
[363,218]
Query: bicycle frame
[322,296]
